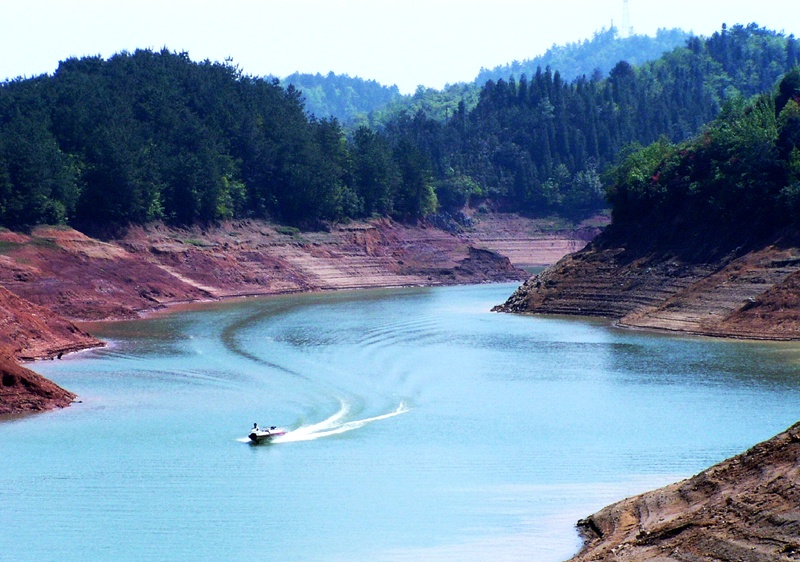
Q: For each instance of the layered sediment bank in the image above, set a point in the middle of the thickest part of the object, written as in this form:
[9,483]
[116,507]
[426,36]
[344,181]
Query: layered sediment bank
[746,508]
[753,294]
[82,278]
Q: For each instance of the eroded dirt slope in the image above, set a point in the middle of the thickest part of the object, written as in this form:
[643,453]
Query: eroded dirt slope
[529,242]
[22,390]
[251,257]
[745,509]
[55,273]
[749,294]
[29,331]
[82,278]
[149,267]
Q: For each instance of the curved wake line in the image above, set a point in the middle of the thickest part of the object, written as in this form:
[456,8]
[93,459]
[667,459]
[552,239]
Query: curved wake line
[334,425]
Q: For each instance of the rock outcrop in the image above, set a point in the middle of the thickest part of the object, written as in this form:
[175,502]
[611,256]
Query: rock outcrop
[746,508]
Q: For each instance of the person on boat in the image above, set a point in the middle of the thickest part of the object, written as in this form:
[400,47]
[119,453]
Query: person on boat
[255,427]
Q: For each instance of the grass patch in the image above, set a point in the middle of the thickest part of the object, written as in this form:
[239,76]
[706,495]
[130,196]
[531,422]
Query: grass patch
[287,230]
[198,243]
[291,231]
[6,247]
[46,243]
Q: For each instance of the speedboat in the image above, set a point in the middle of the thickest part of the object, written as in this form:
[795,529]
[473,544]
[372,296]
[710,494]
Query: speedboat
[263,435]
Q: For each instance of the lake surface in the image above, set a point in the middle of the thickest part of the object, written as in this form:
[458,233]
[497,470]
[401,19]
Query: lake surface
[423,427]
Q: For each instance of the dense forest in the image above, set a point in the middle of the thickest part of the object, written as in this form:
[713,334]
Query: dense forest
[340,96]
[155,136]
[596,55]
[355,102]
[740,177]
[540,144]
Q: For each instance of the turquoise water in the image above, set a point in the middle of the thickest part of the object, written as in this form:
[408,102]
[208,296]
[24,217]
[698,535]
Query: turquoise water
[422,427]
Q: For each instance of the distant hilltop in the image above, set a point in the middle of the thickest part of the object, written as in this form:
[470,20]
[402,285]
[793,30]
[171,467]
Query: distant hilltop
[353,99]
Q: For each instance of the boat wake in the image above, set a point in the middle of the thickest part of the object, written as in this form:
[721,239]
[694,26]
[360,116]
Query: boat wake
[335,425]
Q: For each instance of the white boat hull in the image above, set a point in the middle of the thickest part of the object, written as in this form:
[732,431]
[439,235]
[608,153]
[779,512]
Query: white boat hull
[266,435]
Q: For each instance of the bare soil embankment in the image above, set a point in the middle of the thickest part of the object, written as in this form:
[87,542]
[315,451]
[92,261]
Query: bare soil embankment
[746,509]
[149,267]
[23,391]
[28,331]
[749,293]
[526,242]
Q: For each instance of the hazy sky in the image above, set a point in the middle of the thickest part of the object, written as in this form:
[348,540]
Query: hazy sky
[409,42]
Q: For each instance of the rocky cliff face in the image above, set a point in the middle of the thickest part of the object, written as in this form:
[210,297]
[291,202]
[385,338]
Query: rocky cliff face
[750,293]
[746,509]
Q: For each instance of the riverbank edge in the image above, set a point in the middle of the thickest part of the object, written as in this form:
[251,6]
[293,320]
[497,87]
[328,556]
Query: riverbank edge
[748,294]
[171,305]
[55,280]
[744,508]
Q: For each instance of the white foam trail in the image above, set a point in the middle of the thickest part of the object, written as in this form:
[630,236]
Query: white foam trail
[334,426]
[328,423]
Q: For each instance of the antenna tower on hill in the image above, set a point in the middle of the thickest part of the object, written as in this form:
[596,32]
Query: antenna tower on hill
[627,28]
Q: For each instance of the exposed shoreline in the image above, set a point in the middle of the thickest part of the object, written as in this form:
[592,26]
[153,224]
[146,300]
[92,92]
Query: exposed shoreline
[748,294]
[55,280]
[744,508]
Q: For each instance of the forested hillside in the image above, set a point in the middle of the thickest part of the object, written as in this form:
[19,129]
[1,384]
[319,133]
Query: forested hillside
[540,144]
[599,54]
[740,178]
[152,135]
[357,102]
[705,236]
[339,95]
[155,136]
